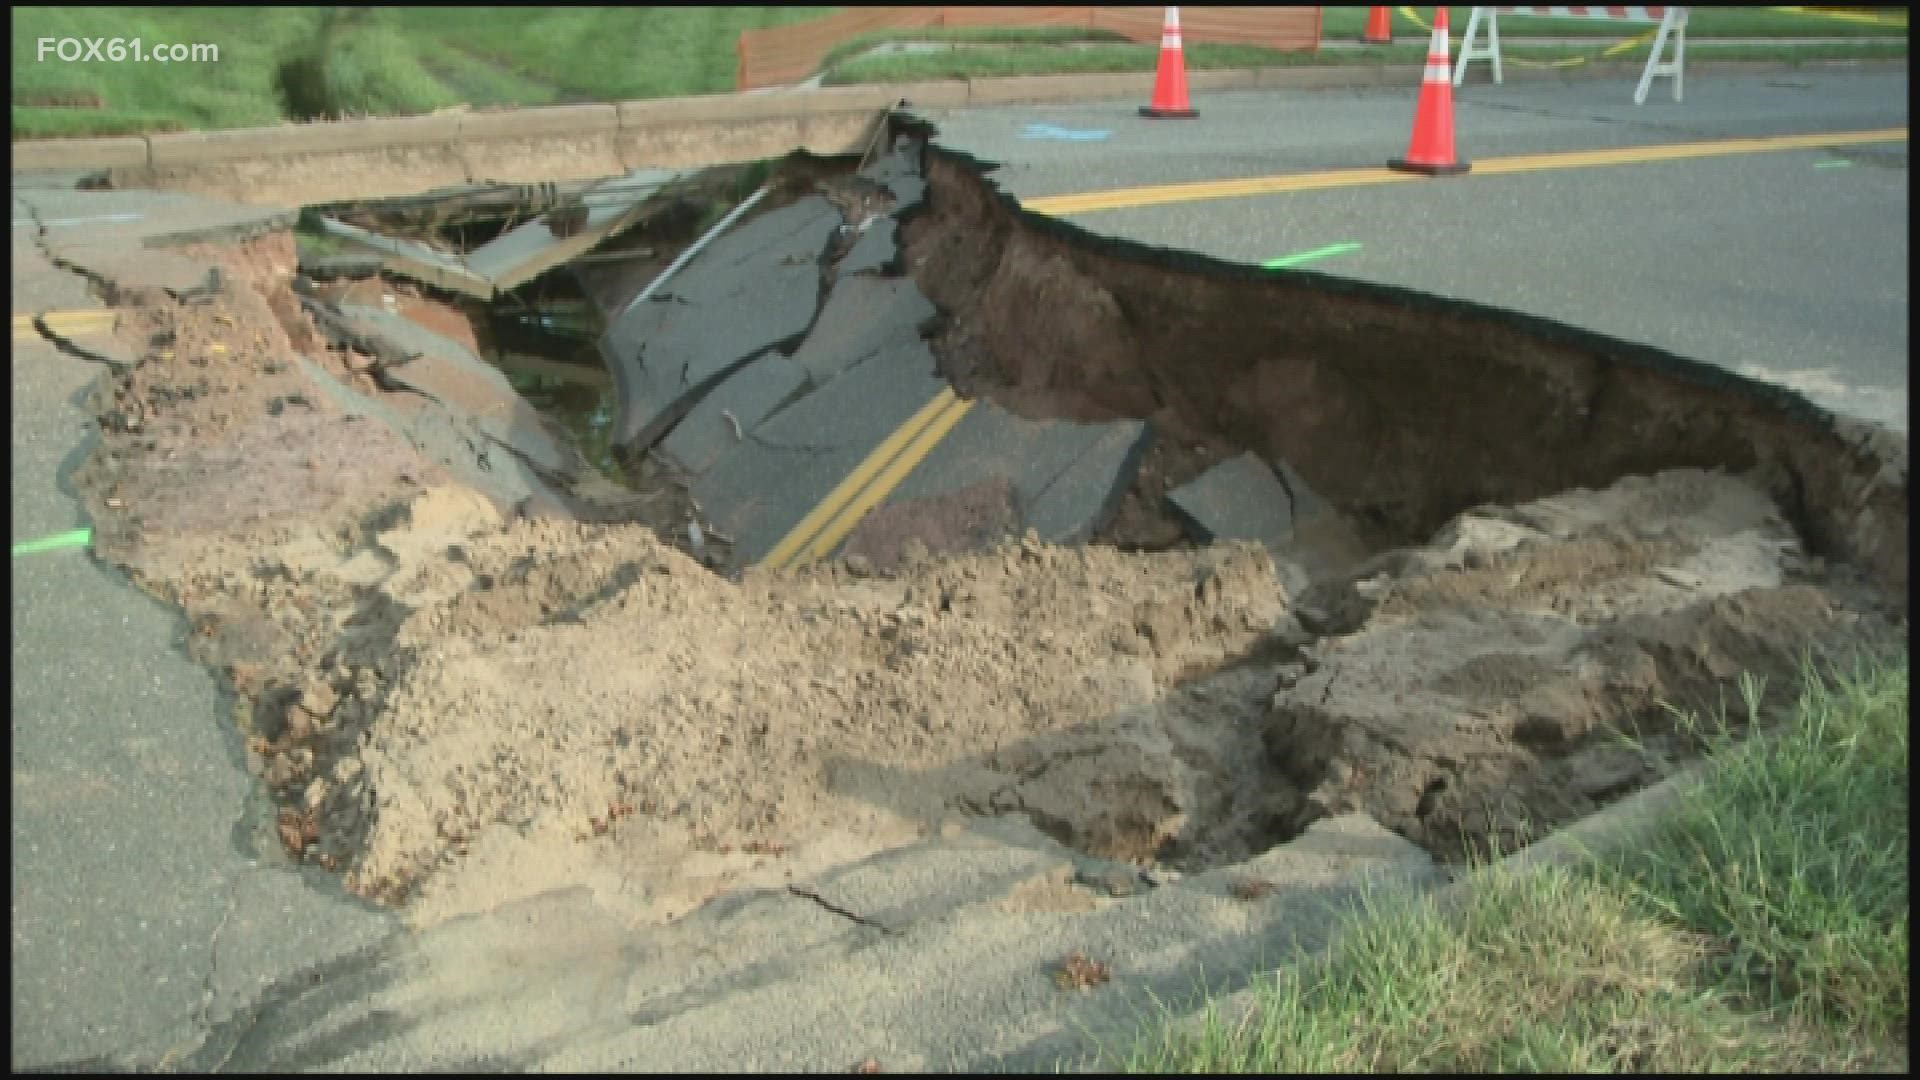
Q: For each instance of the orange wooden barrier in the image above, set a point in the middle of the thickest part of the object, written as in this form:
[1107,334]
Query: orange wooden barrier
[781,55]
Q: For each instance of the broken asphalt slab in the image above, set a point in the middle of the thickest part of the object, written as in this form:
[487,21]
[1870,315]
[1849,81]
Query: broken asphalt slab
[753,288]
[1066,477]
[408,258]
[151,219]
[1243,498]
[463,413]
[39,287]
[526,251]
[721,420]
[767,441]
[875,250]
[861,316]
[788,464]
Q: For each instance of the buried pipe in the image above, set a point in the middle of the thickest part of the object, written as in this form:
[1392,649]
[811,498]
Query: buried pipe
[694,248]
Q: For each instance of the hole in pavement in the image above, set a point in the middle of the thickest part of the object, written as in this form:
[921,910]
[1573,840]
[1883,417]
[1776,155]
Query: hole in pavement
[1533,537]
[544,334]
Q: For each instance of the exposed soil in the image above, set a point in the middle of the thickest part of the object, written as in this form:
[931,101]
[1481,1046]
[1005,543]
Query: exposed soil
[1400,408]
[964,519]
[453,703]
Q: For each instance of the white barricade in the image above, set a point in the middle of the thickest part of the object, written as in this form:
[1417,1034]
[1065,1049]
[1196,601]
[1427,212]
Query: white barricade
[1673,28]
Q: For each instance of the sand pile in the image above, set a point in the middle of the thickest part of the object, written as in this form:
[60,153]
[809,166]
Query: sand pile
[559,674]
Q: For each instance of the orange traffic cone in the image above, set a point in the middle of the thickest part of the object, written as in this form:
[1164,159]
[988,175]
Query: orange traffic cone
[1170,84]
[1431,150]
[1379,29]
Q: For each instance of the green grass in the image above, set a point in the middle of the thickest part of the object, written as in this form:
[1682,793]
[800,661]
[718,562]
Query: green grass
[1762,926]
[390,60]
[1054,60]
[1347,23]
[604,53]
[235,91]
[977,35]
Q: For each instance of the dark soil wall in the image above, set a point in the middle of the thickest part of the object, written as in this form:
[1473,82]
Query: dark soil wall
[1401,408]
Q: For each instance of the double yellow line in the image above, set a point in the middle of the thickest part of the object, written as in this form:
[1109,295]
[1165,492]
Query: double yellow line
[64,323]
[870,482]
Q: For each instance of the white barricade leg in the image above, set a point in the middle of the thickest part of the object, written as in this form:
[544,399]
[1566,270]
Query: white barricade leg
[1491,51]
[1672,26]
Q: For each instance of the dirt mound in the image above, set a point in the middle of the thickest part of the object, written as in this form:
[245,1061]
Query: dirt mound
[755,715]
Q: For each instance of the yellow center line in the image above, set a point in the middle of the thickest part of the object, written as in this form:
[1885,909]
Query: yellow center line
[1161,194]
[890,478]
[822,515]
[62,322]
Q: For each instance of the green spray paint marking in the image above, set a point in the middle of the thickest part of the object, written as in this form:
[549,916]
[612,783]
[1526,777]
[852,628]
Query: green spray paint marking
[1299,257]
[70,538]
[1832,164]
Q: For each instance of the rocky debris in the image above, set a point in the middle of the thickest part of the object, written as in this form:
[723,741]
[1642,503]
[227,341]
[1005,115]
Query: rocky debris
[1077,972]
[1478,704]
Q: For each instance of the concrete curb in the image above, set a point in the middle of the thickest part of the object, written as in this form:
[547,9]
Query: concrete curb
[696,121]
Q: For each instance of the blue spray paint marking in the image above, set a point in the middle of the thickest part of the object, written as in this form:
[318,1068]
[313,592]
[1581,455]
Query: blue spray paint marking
[1048,131]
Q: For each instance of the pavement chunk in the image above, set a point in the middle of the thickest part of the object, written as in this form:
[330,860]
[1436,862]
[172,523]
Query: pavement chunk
[861,316]
[1066,477]
[753,288]
[1082,498]
[723,417]
[765,485]
[129,267]
[462,405]
[874,250]
[1243,499]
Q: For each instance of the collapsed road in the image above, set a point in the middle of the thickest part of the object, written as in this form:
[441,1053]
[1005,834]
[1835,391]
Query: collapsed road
[919,722]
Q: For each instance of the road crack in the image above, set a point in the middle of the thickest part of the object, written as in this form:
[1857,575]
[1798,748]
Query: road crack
[213,951]
[202,1012]
[840,911]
